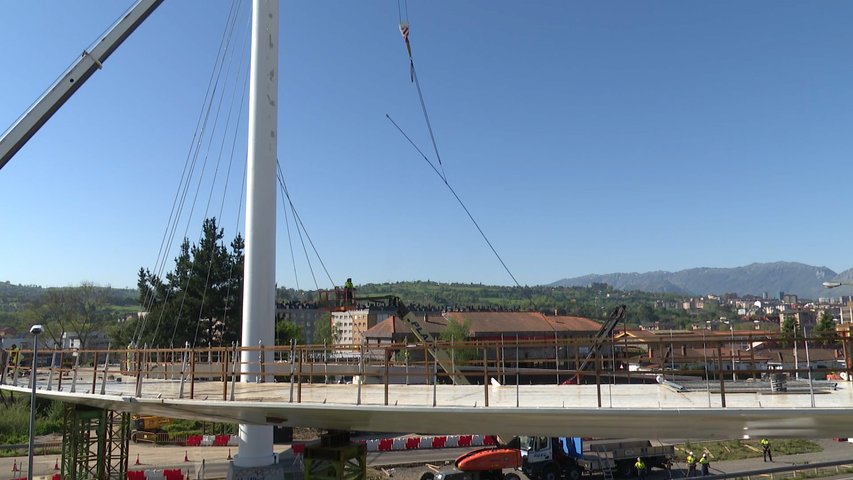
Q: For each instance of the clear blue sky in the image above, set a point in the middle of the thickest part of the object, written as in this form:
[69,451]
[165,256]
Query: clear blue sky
[585,137]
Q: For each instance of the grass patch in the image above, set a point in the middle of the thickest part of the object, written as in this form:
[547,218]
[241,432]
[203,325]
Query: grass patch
[740,449]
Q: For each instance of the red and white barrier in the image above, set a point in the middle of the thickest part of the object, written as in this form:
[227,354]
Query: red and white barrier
[157,474]
[397,444]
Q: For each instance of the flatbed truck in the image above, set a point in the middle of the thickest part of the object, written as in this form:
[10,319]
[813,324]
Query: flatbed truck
[553,458]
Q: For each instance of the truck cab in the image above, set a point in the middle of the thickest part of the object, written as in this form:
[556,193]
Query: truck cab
[551,458]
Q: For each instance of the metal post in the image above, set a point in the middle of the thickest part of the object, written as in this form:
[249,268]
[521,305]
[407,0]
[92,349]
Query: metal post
[517,373]
[434,379]
[485,376]
[94,372]
[299,380]
[387,365]
[360,369]
[452,361]
[35,330]
[809,365]
[597,375]
[235,359]
[292,366]
[52,363]
[556,358]
[734,376]
[720,375]
[707,375]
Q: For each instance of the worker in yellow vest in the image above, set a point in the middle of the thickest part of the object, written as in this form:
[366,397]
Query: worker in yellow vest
[765,445]
[641,468]
[348,288]
[691,464]
[13,355]
[705,463]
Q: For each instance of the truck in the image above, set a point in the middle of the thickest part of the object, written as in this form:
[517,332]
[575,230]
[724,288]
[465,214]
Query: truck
[482,464]
[552,458]
[149,423]
[555,458]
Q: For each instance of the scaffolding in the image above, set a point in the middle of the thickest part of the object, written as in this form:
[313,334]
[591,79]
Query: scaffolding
[96,444]
[336,458]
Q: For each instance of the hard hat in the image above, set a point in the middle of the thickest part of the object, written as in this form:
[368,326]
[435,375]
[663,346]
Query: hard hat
[704,454]
[638,458]
[691,453]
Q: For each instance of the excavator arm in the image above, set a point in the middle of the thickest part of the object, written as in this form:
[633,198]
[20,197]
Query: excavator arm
[32,120]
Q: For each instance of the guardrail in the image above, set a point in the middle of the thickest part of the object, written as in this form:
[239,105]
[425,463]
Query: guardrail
[820,469]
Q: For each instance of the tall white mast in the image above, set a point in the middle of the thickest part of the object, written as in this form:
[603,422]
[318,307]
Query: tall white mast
[256,442]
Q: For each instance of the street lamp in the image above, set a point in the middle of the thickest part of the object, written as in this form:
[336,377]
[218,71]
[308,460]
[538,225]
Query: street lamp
[35,330]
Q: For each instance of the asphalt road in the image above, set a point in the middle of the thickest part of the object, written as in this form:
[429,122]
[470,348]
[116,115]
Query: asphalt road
[216,462]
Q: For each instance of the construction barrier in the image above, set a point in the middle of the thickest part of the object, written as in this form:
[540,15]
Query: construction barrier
[153,474]
[397,444]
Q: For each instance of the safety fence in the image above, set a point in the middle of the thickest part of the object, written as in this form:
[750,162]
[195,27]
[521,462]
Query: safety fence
[716,361]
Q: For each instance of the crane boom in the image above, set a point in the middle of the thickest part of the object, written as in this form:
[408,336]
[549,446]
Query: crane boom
[42,109]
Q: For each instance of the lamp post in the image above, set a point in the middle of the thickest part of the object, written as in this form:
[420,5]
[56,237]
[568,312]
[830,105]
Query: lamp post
[35,331]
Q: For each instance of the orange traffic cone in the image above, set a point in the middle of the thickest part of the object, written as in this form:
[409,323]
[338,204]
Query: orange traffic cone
[15,466]
[229,455]
[56,464]
[137,460]
[186,458]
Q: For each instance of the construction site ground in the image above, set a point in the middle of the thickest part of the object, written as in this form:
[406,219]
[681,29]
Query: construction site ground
[408,465]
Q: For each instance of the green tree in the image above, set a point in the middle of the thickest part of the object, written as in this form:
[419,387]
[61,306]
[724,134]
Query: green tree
[285,331]
[78,311]
[789,327]
[200,301]
[825,330]
[459,332]
[323,331]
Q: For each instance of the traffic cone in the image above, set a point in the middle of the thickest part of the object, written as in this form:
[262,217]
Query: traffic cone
[229,455]
[56,464]
[15,466]
[186,458]
[137,460]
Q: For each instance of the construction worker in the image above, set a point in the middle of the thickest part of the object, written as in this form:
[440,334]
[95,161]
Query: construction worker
[765,446]
[641,468]
[348,287]
[13,355]
[705,463]
[691,464]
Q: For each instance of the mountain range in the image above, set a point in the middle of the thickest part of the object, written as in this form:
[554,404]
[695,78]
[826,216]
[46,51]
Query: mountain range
[754,279]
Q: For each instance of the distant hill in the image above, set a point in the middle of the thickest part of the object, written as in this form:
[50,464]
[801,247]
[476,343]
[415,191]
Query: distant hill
[755,279]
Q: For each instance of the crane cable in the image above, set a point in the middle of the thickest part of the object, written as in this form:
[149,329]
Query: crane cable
[461,203]
[404,31]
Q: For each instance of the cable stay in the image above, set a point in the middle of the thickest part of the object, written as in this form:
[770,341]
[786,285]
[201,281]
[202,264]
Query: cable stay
[225,68]
[300,227]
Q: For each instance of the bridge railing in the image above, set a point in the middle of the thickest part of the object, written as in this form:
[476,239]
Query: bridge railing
[715,363]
